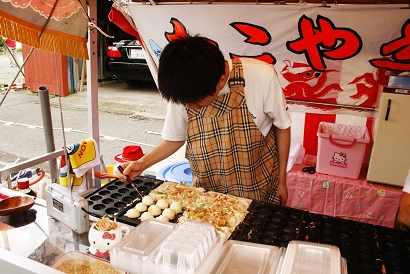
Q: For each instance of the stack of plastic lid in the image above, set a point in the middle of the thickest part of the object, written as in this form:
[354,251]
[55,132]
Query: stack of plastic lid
[249,258]
[133,252]
[311,258]
[188,246]
[160,247]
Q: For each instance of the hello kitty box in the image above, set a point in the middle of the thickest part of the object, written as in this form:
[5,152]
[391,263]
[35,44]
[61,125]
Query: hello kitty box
[341,149]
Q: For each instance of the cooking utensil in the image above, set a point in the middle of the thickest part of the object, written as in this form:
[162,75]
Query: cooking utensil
[15,204]
[121,169]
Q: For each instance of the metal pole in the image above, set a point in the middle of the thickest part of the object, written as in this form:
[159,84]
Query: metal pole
[298,102]
[92,91]
[48,129]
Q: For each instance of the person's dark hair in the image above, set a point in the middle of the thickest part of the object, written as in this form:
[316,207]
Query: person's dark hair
[189,69]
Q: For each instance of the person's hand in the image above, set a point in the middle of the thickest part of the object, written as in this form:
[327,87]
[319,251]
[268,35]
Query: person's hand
[283,193]
[131,169]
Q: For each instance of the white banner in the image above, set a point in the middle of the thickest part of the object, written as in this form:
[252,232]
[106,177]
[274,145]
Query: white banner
[337,54]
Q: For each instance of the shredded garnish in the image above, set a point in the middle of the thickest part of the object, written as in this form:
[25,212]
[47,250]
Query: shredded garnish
[223,211]
[177,192]
[75,266]
[105,224]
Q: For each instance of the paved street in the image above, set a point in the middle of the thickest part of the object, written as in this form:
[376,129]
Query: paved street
[8,73]
[125,115]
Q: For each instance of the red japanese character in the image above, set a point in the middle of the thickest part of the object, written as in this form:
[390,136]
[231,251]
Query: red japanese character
[256,35]
[399,49]
[180,31]
[325,41]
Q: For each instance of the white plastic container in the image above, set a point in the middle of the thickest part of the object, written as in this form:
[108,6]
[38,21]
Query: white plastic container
[41,192]
[192,248]
[160,247]
[133,252]
[246,257]
[311,258]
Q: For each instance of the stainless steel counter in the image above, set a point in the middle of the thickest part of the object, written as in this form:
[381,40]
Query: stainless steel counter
[31,241]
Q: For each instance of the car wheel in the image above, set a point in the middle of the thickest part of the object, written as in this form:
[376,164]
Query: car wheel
[133,83]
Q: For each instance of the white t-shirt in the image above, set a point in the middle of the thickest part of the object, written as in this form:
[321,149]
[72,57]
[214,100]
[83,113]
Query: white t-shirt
[406,187]
[264,98]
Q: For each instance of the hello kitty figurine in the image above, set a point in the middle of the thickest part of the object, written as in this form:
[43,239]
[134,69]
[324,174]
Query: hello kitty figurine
[101,242]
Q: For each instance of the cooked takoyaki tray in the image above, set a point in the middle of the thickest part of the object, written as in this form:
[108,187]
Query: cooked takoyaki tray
[271,224]
[115,198]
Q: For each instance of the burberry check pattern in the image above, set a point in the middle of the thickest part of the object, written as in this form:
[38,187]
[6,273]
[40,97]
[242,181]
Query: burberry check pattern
[228,153]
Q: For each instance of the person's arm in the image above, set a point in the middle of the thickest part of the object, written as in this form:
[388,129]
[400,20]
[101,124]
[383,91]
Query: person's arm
[163,150]
[283,145]
[403,215]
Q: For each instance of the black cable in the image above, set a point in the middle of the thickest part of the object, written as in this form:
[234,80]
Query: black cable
[90,213]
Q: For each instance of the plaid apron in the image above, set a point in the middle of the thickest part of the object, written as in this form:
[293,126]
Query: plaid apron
[226,150]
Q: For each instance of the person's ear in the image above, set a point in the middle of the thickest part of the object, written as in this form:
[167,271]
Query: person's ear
[221,83]
[222,80]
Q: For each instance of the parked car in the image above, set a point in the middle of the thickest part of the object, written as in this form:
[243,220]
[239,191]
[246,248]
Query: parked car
[126,61]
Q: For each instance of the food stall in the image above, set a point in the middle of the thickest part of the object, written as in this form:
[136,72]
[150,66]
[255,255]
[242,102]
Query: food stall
[366,248]
[34,236]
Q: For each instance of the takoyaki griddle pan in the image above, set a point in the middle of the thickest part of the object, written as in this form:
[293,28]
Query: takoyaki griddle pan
[394,246]
[271,224]
[357,241]
[115,198]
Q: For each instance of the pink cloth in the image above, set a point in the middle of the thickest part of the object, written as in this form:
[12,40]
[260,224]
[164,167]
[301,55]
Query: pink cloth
[11,43]
[356,200]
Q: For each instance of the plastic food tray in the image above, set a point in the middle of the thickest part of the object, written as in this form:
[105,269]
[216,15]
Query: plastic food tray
[157,247]
[307,258]
[116,198]
[88,266]
[250,258]
[271,225]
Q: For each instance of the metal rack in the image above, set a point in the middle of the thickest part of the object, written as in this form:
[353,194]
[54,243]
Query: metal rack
[8,170]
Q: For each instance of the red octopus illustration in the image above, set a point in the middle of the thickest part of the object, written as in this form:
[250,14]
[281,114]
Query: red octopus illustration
[367,85]
[309,85]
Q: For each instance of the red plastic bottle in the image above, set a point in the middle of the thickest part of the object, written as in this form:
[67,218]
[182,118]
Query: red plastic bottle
[23,186]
